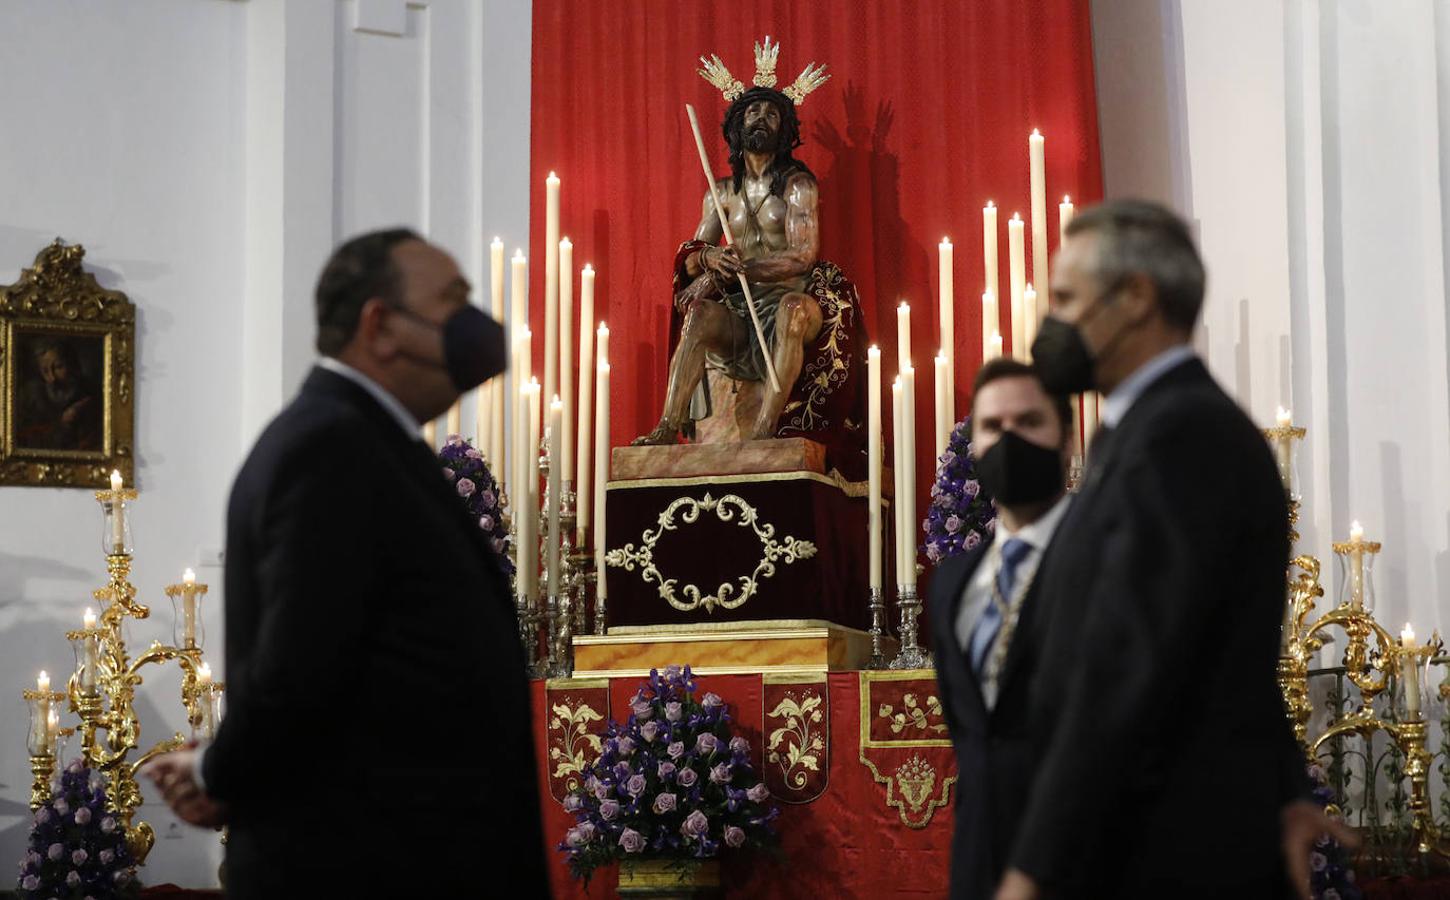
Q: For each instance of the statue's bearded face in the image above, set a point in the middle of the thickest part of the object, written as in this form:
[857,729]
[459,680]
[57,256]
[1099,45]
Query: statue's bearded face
[762,127]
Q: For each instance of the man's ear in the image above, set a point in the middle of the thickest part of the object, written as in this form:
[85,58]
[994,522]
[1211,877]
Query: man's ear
[373,337]
[1138,297]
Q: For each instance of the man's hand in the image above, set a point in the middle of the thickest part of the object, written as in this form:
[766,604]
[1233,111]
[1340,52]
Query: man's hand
[1017,885]
[1302,824]
[724,262]
[175,774]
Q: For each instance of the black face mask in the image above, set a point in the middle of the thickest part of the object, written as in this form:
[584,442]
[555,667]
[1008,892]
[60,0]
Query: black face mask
[1016,471]
[1061,358]
[473,346]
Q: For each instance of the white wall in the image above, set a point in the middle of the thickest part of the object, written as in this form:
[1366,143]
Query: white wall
[208,154]
[1305,142]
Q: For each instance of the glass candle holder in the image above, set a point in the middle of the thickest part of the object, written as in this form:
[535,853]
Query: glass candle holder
[86,643]
[38,740]
[1415,695]
[210,700]
[1356,558]
[116,535]
[188,631]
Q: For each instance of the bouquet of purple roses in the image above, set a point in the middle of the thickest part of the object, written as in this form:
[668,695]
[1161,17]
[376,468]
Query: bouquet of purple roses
[464,466]
[77,847]
[671,782]
[961,516]
[1331,876]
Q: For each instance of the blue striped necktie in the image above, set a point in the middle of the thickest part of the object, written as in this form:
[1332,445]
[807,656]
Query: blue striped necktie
[985,633]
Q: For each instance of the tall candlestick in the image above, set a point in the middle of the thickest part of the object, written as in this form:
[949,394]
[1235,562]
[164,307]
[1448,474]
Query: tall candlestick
[1017,273]
[532,511]
[903,335]
[601,468]
[551,285]
[908,481]
[898,453]
[118,514]
[947,311]
[565,435]
[873,459]
[943,415]
[556,483]
[989,249]
[989,323]
[1064,218]
[586,396]
[495,388]
[601,348]
[519,328]
[1036,152]
[1410,672]
[1029,318]
[520,497]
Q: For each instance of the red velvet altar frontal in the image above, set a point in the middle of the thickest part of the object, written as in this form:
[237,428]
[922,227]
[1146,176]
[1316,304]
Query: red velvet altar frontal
[787,545]
[871,821]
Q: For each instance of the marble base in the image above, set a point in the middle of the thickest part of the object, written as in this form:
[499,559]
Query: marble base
[796,646]
[744,458]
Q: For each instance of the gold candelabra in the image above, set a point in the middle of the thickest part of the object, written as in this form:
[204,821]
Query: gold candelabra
[102,688]
[1373,659]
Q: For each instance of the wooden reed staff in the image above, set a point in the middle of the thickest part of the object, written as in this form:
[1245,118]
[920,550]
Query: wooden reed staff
[729,241]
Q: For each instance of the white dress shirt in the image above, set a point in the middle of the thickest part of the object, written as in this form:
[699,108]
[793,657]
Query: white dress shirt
[978,594]
[1117,404]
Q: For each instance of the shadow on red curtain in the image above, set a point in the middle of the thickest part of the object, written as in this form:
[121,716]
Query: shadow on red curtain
[926,117]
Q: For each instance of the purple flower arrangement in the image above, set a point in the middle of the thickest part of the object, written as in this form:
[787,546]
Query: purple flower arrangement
[672,782]
[961,515]
[464,466]
[1330,876]
[77,847]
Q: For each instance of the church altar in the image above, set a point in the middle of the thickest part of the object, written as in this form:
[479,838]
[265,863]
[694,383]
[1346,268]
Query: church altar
[865,806]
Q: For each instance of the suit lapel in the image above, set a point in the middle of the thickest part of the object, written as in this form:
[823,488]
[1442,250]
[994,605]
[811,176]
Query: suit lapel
[967,693]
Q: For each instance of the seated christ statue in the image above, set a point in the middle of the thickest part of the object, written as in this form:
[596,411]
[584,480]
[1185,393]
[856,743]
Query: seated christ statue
[809,313]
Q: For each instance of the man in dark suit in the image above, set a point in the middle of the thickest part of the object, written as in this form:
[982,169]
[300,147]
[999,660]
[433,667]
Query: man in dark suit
[982,599]
[1165,765]
[377,740]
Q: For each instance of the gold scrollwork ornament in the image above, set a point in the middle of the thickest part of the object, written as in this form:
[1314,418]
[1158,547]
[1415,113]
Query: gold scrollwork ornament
[729,508]
[571,741]
[796,746]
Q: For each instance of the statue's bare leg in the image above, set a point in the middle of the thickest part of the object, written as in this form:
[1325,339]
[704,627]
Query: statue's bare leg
[797,323]
[708,326]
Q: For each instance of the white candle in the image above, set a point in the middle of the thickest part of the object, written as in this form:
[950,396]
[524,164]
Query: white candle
[535,424]
[519,327]
[601,467]
[989,248]
[1089,420]
[556,482]
[908,481]
[52,727]
[943,415]
[551,285]
[188,607]
[586,395]
[565,435]
[947,312]
[1064,218]
[1029,318]
[898,452]
[519,499]
[903,336]
[490,418]
[601,349]
[989,323]
[118,515]
[1284,449]
[1410,672]
[1017,273]
[203,674]
[89,619]
[996,345]
[1036,153]
[42,682]
[873,459]
[1075,401]
[1356,565]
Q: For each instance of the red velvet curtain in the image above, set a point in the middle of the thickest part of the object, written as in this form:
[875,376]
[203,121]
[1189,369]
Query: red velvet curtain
[926,117]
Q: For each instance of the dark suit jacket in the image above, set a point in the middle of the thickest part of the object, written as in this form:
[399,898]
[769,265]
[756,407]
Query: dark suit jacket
[1165,755]
[377,736]
[994,762]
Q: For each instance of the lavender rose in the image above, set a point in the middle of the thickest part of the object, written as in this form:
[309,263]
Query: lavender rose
[78,857]
[108,824]
[83,815]
[759,793]
[626,746]
[466,487]
[73,879]
[573,803]
[489,498]
[674,711]
[635,785]
[734,836]
[448,473]
[676,749]
[472,453]
[739,745]
[575,838]
[954,523]
[632,841]
[485,522]
[30,882]
[695,825]
[42,815]
[664,803]
[61,807]
[55,851]
[608,809]
[649,731]
[642,710]
[687,777]
[106,857]
[1318,861]
[666,769]
[971,487]
[707,743]
[601,790]
[721,773]
[972,540]
[712,701]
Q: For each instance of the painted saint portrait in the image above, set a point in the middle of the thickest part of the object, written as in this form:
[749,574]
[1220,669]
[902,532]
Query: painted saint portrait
[59,401]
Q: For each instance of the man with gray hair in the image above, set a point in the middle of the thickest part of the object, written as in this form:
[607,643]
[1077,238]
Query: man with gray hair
[1158,729]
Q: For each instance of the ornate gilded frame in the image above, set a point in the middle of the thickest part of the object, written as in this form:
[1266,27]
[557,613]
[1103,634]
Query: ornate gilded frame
[57,298]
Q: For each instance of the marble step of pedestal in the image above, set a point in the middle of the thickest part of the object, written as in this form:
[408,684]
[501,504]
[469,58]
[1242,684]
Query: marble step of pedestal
[744,458]
[799,645]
